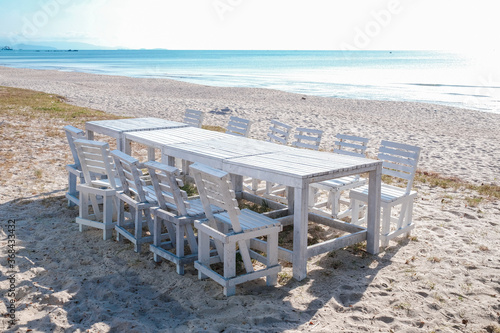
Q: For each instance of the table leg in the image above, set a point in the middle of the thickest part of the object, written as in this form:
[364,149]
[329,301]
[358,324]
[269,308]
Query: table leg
[90,135]
[290,197]
[373,211]
[237,181]
[151,154]
[300,220]
[124,145]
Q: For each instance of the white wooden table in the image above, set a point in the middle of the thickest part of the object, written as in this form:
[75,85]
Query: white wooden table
[118,127]
[297,169]
[294,167]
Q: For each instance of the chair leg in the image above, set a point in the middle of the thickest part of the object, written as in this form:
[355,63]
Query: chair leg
[255,185]
[83,209]
[229,266]
[171,232]
[148,219]
[409,217]
[386,224]
[355,211]
[191,238]
[179,247]
[245,255]
[137,230]
[120,219]
[72,188]
[95,206]
[272,257]
[203,252]
[156,236]
[335,202]
[107,218]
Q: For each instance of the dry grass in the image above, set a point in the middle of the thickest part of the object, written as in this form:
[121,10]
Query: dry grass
[214,128]
[30,104]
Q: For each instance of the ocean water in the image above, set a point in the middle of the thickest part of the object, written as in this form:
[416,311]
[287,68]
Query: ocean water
[461,80]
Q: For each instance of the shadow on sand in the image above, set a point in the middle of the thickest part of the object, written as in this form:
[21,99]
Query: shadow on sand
[72,281]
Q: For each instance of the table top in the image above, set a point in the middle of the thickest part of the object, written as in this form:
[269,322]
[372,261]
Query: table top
[299,166]
[116,127]
[259,159]
[161,137]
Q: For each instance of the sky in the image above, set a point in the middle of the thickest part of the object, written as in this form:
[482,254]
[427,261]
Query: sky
[455,25]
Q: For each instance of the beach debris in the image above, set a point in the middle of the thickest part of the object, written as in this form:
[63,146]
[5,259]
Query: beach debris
[226,110]
[303,98]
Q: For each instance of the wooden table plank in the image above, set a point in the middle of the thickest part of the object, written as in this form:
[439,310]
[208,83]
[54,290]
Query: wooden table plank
[117,127]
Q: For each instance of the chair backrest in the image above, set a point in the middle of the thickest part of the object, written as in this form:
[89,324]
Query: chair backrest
[399,160]
[350,145]
[238,126]
[128,169]
[215,188]
[193,118]
[95,160]
[279,132]
[307,138]
[72,134]
[167,187]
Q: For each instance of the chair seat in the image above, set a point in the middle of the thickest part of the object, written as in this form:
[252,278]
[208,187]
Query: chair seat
[196,207]
[249,220]
[105,182]
[389,194]
[340,182]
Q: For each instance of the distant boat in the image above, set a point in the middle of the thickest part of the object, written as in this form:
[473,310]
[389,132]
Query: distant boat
[6,48]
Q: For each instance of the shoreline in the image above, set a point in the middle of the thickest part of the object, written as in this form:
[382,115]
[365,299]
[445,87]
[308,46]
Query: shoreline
[454,141]
[272,89]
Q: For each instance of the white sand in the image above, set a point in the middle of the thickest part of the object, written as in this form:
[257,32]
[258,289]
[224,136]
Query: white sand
[445,280]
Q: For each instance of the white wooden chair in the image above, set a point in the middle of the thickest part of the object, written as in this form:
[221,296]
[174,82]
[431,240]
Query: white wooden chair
[75,174]
[278,133]
[399,161]
[346,145]
[238,126]
[230,228]
[307,138]
[138,196]
[96,162]
[177,213]
[193,118]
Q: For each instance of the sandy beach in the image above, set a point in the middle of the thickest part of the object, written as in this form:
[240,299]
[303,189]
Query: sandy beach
[446,278]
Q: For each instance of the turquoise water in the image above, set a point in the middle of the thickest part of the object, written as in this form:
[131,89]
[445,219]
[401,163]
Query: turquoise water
[421,76]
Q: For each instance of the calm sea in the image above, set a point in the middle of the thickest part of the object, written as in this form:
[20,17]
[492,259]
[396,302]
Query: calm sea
[422,76]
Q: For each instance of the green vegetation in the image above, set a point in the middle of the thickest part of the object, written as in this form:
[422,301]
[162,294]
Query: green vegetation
[30,104]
